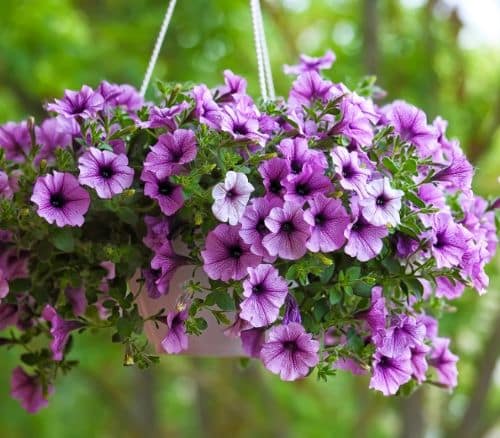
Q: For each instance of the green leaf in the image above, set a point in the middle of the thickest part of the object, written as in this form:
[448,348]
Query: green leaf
[63,240]
[361,289]
[223,300]
[390,165]
[335,296]
[410,165]
[20,285]
[415,199]
[128,215]
[353,273]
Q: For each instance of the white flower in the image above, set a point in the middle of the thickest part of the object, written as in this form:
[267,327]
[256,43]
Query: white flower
[231,197]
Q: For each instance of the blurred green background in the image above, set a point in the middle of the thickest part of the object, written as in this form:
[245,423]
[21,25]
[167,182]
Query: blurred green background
[443,55]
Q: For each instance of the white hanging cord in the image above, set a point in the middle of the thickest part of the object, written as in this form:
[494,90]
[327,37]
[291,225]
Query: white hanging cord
[157,47]
[265,54]
[255,8]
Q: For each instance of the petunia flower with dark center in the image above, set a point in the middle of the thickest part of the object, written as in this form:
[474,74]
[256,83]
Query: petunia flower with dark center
[168,194]
[382,203]
[60,199]
[226,256]
[290,351]
[106,172]
[265,292]
[80,104]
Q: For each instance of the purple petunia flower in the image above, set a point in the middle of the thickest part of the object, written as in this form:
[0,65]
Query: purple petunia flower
[167,261]
[449,242]
[274,172]
[264,293]
[226,256]
[77,299]
[448,288]
[364,240]
[444,361]
[306,185]
[458,174]
[346,165]
[164,117]
[60,330]
[157,283]
[60,199]
[51,134]
[29,391]
[242,121]
[292,311]
[8,315]
[231,197]
[377,313]
[382,204]
[405,332]
[158,232]
[252,341]
[410,124]
[253,227]
[234,84]
[419,363]
[168,194]
[289,232]
[432,196]
[307,88]
[389,373]
[354,125]
[290,351]
[206,110]
[15,140]
[84,103]
[297,154]
[123,95]
[328,219]
[171,152]
[308,63]
[176,339]
[106,172]
[8,186]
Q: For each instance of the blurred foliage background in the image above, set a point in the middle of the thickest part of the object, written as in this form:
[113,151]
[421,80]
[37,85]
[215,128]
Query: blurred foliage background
[420,51]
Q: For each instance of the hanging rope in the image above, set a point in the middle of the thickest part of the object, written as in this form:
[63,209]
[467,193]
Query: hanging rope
[254,9]
[157,47]
[265,54]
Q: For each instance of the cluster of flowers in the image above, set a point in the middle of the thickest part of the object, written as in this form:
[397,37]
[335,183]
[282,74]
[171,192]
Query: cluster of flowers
[331,229]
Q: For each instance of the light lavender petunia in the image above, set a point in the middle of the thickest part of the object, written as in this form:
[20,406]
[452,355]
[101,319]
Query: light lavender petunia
[60,199]
[60,330]
[172,151]
[444,361]
[82,104]
[289,232]
[176,339]
[389,373]
[382,203]
[15,140]
[231,197]
[449,242]
[348,170]
[106,172]
[328,219]
[265,292]
[253,227]
[308,63]
[29,390]
[297,153]
[226,256]
[306,185]
[290,351]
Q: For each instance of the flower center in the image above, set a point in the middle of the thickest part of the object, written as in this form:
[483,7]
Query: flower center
[106,172]
[257,289]
[290,346]
[439,241]
[302,189]
[319,219]
[287,227]
[235,252]
[380,200]
[295,166]
[230,194]
[57,200]
[165,188]
[357,226]
[240,129]
[347,172]
[385,361]
[275,186]
[261,226]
